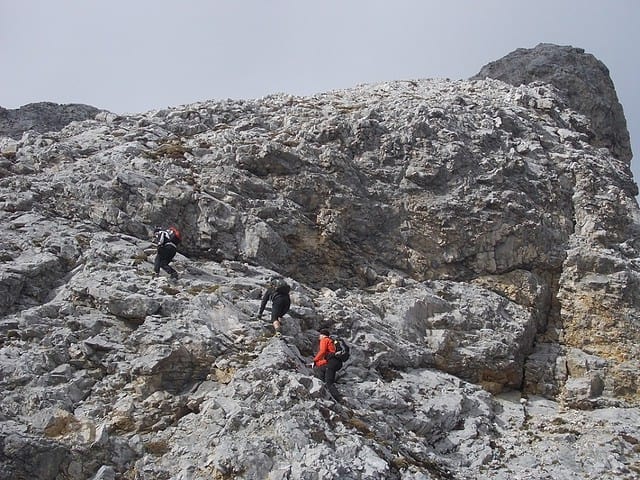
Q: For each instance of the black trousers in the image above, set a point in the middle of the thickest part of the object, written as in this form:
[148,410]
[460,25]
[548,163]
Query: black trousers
[163,258]
[327,373]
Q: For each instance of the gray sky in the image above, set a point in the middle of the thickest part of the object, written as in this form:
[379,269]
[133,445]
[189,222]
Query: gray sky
[138,55]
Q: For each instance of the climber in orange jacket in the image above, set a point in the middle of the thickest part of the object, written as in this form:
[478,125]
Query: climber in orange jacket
[325,365]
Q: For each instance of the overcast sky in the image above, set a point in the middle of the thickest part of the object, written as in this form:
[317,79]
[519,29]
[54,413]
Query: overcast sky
[138,55]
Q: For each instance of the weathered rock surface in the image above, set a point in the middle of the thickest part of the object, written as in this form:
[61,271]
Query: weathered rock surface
[42,117]
[583,79]
[468,238]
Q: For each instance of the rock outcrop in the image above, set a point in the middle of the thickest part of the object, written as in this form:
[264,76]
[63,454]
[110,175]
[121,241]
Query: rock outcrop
[472,241]
[584,81]
[42,117]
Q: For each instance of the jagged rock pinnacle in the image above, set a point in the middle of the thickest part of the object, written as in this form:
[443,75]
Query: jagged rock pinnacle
[584,81]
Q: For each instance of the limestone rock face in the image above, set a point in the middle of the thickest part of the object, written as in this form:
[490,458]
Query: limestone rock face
[584,81]
[469,240]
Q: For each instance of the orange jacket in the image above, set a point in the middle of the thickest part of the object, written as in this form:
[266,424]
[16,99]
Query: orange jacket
[326,346]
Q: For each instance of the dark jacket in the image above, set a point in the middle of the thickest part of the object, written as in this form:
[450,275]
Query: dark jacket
[163,239]
[167,249]
[280,301]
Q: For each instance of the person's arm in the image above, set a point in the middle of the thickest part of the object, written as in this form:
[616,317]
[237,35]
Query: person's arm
[265,299]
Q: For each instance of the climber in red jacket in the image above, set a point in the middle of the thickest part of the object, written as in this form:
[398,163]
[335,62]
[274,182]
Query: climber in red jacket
[326,364]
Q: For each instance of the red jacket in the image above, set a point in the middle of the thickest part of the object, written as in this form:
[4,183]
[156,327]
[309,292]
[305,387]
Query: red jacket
[326,347]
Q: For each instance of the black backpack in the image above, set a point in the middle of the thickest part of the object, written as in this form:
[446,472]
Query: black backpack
[342,349]
[282,287]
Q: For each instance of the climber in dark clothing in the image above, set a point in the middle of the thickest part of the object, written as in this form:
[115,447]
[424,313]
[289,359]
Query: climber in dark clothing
[167,242]
[278,293]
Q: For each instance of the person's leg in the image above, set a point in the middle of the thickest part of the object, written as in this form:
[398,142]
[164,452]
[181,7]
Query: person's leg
[320,372]
[330,377]
[165,255]
[276,318]
[279,307]
[170,270]
[157,262]
[164,265]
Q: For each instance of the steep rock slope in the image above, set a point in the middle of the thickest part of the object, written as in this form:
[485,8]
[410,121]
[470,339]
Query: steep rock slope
[470,241]
[588,322]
